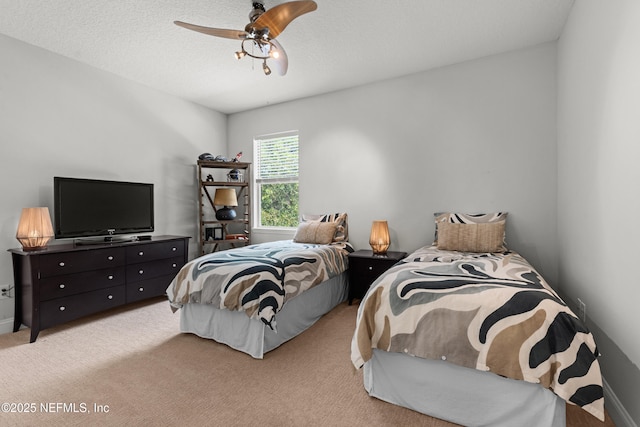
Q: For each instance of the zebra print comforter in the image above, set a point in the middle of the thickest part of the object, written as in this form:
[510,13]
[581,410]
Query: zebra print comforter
[257,279]
[489,311]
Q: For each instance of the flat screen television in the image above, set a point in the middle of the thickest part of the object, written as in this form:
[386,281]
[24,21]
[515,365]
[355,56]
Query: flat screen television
[93,208]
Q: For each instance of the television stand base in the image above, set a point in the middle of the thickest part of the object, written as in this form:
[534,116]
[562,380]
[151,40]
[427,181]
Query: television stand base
[104,240]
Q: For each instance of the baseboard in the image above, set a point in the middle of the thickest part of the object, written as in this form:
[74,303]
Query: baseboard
[6,326]
[616,410]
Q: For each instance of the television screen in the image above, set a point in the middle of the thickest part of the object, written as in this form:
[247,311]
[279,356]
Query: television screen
[90,207]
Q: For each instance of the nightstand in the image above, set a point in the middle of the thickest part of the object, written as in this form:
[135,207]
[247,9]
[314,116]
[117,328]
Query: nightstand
[365,268]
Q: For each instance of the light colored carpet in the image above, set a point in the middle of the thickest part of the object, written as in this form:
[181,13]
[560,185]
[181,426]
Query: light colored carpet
[135,365]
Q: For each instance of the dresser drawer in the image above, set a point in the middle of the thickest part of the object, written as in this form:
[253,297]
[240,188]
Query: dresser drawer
[70,284]
[148,288]
[365,268]
[61,310]
[368,268]
[143,253]
[84,260]
[152,269]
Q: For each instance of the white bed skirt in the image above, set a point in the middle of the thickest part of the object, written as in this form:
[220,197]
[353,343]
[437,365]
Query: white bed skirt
[251,336]
[460,395]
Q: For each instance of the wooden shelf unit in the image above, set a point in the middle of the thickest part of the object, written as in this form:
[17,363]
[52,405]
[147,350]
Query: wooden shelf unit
[211,176]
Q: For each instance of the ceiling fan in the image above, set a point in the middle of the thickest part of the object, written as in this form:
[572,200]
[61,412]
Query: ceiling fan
[259,35]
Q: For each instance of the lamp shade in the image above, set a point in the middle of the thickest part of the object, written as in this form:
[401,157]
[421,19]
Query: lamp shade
[34,228]
[379,239]
[225,197]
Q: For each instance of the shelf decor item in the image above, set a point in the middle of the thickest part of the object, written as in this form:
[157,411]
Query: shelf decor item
[34,228]
[234,175]
[236,236]
[217,233]
[225,197]
[379,238]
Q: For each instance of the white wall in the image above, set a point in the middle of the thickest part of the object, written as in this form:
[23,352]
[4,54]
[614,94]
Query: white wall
[62,118]
[483,136]
[478,136]
[598,152]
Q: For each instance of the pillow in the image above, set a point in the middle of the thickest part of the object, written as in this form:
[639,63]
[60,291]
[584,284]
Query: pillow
[342,228]
[487,237]
[463,218]
[315,232]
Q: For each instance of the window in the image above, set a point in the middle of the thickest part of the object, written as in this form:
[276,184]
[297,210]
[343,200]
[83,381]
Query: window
[276,180]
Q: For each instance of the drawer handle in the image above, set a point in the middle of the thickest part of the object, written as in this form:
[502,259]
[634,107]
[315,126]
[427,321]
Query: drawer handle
[140,271]
[110,297]
[370,268]
[61,286]
[141,253]
[61,264]
[174,265]
[110,258]
[110,277]
[174,249]
[62,308]
[141,289]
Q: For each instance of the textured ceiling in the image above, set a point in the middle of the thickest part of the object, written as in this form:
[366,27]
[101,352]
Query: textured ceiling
[343,43]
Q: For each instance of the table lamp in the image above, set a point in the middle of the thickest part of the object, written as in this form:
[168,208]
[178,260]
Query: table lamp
[34,228]
[379,238]
[225,197]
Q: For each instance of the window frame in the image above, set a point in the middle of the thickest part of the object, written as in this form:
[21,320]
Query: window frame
[257,181]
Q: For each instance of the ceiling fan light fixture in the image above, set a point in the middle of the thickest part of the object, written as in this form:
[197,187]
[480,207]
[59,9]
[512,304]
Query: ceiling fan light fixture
[261,31]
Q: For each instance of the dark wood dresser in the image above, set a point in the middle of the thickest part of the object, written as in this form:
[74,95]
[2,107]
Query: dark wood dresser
[64,282]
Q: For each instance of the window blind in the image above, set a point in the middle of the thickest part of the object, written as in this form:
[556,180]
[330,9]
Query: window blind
[277,158]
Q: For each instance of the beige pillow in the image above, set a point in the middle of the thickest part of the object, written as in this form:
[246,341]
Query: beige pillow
[315,232]
[342,228]
[486,237]
[466,218]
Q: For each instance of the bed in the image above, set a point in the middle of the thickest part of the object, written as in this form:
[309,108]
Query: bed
[468,331]
[255,298]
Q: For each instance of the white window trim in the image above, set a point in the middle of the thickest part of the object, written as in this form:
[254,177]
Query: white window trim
[256,208]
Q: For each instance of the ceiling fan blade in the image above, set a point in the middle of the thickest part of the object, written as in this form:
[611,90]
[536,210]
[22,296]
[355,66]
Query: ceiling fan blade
[279,60]
[278,17]
[218,32]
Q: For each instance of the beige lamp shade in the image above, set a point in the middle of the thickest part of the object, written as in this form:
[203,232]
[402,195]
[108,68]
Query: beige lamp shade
[379,239]
[34,228]
[225,197]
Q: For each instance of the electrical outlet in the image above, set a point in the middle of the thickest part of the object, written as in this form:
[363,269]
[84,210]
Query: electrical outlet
[5,292]
[582,310]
